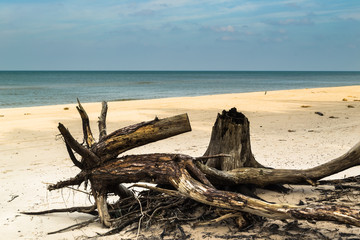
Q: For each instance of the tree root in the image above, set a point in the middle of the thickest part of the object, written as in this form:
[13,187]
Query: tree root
[75,226]
[89,210]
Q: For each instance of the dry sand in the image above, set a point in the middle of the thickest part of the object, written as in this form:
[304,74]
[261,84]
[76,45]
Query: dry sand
[33,155]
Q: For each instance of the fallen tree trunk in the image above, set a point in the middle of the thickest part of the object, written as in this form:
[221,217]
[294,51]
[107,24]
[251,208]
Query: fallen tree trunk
[265,176]
[175,169]
[229,150]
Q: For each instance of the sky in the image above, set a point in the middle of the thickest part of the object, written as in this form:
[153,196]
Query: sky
[180,35]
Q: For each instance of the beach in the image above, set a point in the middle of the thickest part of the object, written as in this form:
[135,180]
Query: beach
[286,130]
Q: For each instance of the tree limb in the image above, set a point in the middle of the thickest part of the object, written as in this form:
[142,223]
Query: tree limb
[91,158]
[102,120]
[265,176]
[89,210]
[72,157]
[88,137]
[77,180]
[140,134]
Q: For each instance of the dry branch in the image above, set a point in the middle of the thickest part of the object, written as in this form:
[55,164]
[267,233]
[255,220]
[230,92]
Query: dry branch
[88,137]
[89,158]
[102,121]
[140,134]
[90,210]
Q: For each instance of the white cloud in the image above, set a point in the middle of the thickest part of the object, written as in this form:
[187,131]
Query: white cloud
[228,28]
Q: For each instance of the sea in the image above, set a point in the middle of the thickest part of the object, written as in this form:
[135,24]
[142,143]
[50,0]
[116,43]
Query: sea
[38,88]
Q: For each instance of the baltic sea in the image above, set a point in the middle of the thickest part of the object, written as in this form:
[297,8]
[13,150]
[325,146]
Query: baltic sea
[36,88]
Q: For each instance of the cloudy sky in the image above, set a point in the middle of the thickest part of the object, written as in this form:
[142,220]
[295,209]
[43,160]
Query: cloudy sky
[180,35]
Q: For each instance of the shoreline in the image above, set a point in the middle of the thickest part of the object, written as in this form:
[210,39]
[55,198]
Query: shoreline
[178,97]
[285,133]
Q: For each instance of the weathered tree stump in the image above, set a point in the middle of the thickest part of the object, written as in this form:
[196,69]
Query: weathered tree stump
[231,135]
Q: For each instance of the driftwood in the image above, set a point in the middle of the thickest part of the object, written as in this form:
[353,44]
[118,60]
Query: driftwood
[227,161]
[231,135]
[264,176]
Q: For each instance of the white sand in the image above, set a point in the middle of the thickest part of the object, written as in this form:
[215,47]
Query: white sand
[33,155]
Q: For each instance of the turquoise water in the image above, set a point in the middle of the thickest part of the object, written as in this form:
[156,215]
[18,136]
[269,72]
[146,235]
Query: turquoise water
[36,88]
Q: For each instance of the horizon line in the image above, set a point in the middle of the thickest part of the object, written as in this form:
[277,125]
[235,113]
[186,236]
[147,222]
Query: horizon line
[98,70]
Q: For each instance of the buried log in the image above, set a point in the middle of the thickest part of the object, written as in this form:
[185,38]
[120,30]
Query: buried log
[230,162]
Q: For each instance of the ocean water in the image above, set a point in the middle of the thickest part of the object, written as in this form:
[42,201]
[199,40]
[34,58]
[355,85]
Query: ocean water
[36,88]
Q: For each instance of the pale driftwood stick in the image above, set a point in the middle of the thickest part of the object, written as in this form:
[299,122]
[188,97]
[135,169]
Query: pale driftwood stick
[265,176]
[102,209]
[102,120]
[88,137]
[91,158]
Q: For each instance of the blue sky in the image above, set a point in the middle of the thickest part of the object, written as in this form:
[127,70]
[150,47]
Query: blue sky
[180,35]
